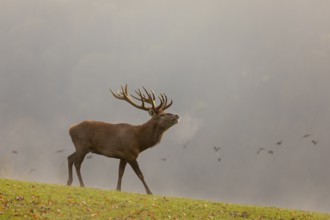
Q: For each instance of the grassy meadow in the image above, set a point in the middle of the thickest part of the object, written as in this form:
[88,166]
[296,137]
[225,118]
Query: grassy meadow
[29,200]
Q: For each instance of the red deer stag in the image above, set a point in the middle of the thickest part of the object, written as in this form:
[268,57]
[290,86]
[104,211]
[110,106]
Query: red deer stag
[122,141]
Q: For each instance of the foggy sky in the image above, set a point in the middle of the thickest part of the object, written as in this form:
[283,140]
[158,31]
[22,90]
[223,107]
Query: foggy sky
[242,75]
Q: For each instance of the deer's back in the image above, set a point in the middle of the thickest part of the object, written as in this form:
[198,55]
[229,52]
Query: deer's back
[86,130]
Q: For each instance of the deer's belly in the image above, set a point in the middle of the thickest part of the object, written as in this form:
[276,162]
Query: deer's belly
[115,153]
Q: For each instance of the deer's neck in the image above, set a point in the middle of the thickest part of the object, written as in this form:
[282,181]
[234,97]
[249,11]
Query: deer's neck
[150,134]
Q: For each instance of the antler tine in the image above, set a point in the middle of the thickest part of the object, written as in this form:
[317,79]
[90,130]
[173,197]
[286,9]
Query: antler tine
[161,99]
[139,93]
[165,105]
[153,94]
[151,97]
[117,95]
[146,91]
[125,90]
[164,98]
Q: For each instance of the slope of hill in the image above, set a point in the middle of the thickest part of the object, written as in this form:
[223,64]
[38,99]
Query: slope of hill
[28,200]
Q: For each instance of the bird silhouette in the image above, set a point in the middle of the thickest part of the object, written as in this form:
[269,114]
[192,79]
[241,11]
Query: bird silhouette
[315,142]
[216,149]
[185,144]
[89,156]
[271,152]
[14,151]
[279,143]
[306,136]
[166,158]
[31,170]
[260,149]
[59,151]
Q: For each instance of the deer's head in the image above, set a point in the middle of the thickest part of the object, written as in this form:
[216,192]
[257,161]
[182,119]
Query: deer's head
[157,112]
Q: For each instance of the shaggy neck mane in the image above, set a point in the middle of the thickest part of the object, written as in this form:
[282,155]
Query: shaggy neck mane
[150,134]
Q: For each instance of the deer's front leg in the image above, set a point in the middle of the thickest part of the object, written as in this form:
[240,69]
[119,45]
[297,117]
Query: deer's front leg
[134,164]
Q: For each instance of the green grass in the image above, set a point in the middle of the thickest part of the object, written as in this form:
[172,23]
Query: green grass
[28,200]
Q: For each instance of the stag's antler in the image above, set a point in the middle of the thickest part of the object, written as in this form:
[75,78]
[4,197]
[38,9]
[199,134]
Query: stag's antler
[148,97]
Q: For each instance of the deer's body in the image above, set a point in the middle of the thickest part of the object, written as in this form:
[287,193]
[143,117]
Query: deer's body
[121,141]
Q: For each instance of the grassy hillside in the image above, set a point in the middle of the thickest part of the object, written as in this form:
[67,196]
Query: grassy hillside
[27,200]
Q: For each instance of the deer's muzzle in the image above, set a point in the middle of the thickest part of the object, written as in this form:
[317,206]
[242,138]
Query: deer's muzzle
[175,119]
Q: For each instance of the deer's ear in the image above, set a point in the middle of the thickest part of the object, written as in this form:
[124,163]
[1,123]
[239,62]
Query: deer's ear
[152,112]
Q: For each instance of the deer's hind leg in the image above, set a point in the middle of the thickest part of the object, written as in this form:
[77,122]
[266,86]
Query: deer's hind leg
[76,159]
[77,163]
[122,165]
[71,160]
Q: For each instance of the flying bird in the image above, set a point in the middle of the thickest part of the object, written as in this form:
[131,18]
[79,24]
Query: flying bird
[279,143]
[216,149]
[271,152]
[59,151]
[185,145]
[306,136]
[31,170]
[166,158]
[89,156]
[260,149]
[315,142]
[14,151]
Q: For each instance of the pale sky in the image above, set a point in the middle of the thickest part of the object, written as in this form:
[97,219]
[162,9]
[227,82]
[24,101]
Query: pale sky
[242,75]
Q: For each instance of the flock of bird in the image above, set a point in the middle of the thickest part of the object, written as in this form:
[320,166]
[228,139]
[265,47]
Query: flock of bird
[261,149]
[279,143]
[215,149]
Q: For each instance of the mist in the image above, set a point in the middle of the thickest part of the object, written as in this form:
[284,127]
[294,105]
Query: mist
[243,75]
